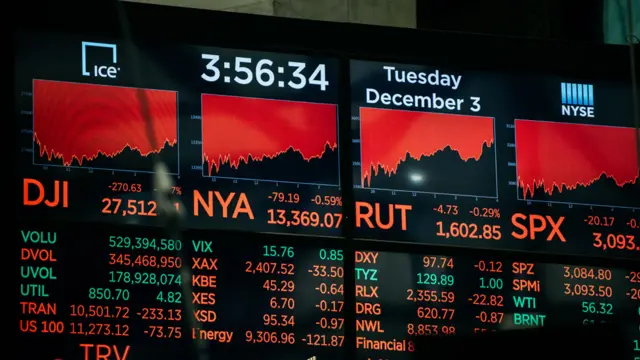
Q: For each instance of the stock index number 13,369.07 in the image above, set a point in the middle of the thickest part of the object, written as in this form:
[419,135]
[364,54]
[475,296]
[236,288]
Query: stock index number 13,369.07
[330,218]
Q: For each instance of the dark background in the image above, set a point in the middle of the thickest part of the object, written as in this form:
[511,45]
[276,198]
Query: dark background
[546,19]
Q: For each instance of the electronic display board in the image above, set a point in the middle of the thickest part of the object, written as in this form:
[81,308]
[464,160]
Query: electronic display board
[440,157]
[477,159]
[117,293]
[403,297]
[250,138]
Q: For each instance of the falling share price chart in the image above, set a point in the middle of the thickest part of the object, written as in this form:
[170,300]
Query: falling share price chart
[593,165]
[86,125]
[86,151]
[400,151]
[407,301]
[440,159]
[585,164]
[579,175]
[267,143]
[421,134]
[250,139]
[261,140]
[99,131]
[100,292]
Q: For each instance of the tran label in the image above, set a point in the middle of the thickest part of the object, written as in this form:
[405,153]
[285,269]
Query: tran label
[577,100]
[103,65]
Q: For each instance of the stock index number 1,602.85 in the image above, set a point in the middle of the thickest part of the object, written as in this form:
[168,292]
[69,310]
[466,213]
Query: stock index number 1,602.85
[557,229]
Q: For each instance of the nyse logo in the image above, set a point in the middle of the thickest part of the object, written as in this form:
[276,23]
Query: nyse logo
[103,66]
[577,100]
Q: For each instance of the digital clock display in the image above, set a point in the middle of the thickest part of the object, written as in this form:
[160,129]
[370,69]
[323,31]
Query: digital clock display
[265,72]
[250,138]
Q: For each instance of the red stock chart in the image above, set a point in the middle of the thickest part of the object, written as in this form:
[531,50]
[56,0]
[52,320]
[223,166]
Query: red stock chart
[574,162]
[99,126]
[269,140]
[403,150]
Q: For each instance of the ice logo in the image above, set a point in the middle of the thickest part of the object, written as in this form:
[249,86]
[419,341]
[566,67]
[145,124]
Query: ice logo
[100,69]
